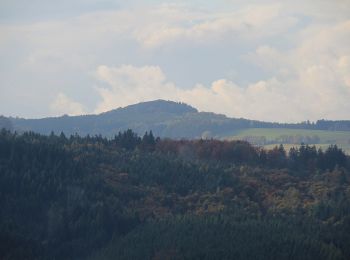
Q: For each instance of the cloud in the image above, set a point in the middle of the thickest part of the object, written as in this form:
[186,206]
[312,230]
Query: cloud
[128,84]
[289,60]
[290,100]
[64,105]
[253,22]
[316,72]
[152,27]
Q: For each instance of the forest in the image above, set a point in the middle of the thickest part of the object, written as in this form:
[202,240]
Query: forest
[145,197]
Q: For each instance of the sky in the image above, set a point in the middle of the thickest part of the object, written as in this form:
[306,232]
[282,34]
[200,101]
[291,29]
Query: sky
[285,61]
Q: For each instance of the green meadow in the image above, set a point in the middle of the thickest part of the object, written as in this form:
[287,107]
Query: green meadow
[270,137]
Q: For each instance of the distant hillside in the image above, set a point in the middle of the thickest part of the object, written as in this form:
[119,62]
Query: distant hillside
[5,123]
[164,118]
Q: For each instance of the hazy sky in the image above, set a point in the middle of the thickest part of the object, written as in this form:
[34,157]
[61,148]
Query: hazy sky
[269,60]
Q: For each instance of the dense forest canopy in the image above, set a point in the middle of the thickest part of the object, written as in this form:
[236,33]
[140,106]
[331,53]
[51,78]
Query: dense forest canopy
[144,197]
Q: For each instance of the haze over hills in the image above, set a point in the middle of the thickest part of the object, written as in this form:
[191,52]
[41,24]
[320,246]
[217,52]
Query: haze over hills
[154,130]
[164,118]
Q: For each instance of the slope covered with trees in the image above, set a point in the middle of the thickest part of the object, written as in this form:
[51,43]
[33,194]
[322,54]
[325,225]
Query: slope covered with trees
[164,118]
[132,197]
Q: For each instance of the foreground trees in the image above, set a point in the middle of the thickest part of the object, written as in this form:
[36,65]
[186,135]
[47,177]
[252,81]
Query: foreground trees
[149,198]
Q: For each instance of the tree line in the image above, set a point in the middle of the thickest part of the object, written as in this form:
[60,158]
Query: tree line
[143,197]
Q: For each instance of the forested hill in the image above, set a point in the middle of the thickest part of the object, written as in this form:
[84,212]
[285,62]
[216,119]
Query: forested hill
[164,118]
[134,197]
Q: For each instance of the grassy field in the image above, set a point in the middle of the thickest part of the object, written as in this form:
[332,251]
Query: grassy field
[273,136]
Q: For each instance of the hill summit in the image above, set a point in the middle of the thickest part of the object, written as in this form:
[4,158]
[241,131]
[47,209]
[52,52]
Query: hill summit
[158,106]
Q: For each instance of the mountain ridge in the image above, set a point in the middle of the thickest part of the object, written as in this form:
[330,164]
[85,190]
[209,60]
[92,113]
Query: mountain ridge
[165,118]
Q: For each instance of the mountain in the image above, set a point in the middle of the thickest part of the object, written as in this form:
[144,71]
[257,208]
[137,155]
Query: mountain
[164,118]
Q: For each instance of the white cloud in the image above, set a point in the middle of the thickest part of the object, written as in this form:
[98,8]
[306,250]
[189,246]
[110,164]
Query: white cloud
[292,100]
[324,10]
[316,72]
[153,27]
[252,22]
[128,85]
[64,105]
[295,57]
